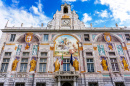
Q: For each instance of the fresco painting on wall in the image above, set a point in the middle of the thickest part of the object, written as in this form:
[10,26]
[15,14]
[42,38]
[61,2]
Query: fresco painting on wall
[65,43]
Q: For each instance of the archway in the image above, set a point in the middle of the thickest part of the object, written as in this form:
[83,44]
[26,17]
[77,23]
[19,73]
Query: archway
[66,84]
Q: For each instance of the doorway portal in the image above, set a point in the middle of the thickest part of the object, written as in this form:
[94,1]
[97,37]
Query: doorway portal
[66,84]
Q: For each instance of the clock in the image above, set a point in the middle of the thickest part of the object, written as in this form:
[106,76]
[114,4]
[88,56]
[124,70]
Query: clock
[65,22]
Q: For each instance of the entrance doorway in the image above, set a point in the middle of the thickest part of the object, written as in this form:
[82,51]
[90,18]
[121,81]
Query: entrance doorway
[66,84]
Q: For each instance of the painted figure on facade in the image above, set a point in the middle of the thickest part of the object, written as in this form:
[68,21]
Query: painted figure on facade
[33,65]
[110,47]
[28,39]
[104,64]
[14,65]
[76,65]
[57,65]
[125,64]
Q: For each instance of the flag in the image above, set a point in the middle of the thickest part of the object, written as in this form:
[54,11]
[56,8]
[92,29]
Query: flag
[62,59]
[71,60]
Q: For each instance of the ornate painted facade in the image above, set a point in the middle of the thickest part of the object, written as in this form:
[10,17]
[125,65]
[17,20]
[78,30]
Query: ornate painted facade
[40,56]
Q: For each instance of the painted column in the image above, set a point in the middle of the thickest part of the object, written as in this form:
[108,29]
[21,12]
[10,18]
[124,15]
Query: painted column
[51,57]
[81,57]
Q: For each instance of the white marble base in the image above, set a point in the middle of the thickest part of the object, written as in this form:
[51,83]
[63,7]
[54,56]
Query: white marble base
[32,72]
[13,72]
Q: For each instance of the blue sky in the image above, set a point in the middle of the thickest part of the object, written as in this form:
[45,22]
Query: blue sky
[34,12]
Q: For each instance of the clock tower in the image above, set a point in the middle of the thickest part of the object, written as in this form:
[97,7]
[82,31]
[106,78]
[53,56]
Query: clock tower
[65,19]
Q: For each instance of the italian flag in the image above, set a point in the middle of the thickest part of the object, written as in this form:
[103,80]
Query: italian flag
[62,59]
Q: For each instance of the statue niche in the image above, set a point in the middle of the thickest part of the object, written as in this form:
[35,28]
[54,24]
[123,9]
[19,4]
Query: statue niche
[104,64]
[125,64]
[57,65]
[33,65]
[76,65]
[14,65]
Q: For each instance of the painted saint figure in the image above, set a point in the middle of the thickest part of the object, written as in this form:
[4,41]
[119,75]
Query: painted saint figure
[33,65]
[57,65]
[14,65]
[125,64]
[76,65]
[104,64]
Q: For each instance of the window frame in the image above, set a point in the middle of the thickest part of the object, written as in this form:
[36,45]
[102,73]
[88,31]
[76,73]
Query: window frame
[26,55]
[38,68]
[88,37]
[5,63]
[114,64]
[66,64]
[12,39]
[44,38]
[23,63]
[90,63]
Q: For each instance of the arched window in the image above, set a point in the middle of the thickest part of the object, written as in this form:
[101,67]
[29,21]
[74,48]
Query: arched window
[65,9]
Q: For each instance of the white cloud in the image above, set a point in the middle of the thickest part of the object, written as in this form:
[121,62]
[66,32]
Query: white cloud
[18,16]
[103,13]
[99,21]
[68,0]
[84,0]
[120,9]
[86,18]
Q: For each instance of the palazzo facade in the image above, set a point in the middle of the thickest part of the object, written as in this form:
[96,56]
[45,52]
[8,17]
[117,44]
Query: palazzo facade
[41,56]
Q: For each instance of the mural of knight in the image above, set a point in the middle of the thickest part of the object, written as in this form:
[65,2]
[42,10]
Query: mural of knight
[65,53]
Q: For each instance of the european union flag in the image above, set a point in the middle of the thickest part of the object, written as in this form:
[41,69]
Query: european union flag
[71,60]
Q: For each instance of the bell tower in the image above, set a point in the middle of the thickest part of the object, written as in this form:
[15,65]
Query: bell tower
[66,9]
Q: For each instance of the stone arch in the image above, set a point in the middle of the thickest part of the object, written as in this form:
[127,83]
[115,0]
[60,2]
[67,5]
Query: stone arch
[21,39]
[113,35]
[65,10]
[66,84]
[73,35]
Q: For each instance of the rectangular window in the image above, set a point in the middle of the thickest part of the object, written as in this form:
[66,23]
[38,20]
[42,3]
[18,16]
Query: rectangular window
[43,53]
[42,64]
[90,65]
[5,64]
[119,84]
[12,38]
[25,53]
[92,84]
[89,54]
[66,64]
[114,64]
[127,37]
[23,66]
[20,84]
[40,84]
[7,53]
[46,37]
[86,37]
[111,53]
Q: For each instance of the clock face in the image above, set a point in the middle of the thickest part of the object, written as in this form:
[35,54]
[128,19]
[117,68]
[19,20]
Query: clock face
[65,22]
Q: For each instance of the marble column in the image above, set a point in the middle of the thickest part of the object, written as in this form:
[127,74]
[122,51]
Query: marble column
[59,81]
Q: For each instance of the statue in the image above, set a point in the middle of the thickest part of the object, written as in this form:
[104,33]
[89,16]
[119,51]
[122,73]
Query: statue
[125,64]
[57,65]
[104,64]
[14,65]
[27,46]
[110,47]
[33,65]
[76,65]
